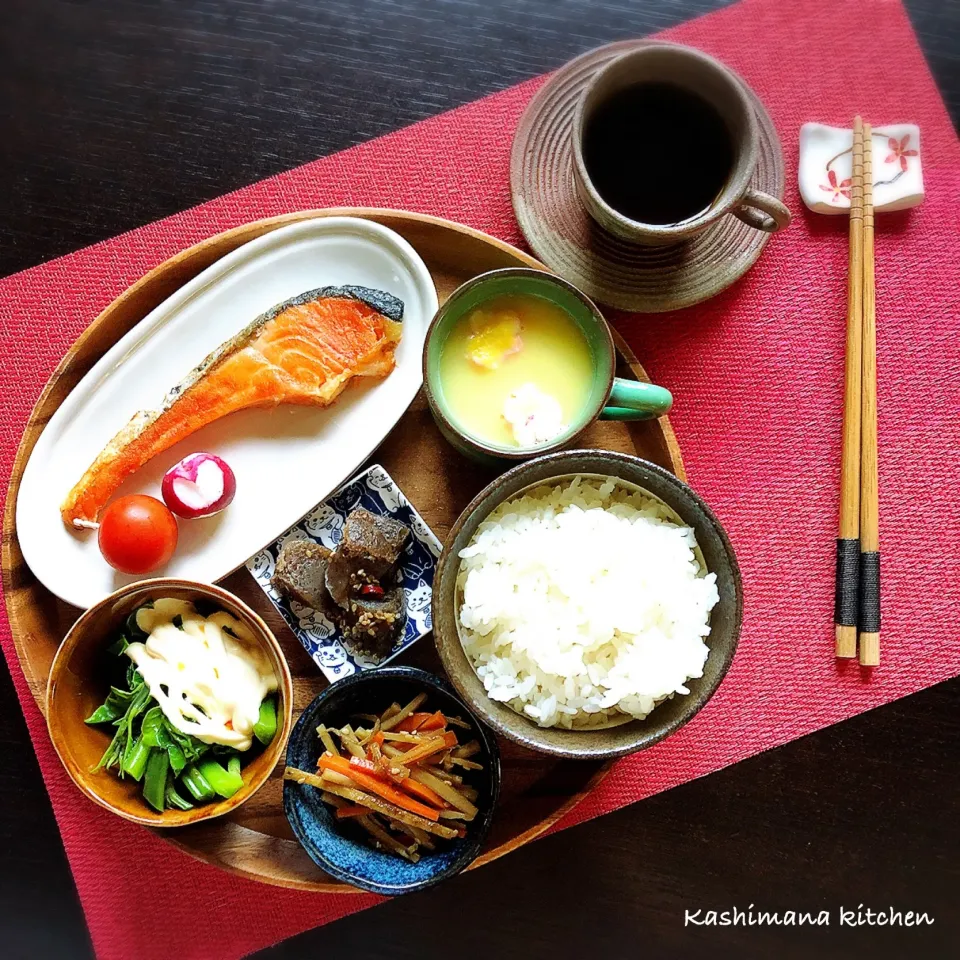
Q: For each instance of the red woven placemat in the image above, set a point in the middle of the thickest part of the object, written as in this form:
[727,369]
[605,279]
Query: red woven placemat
[757,374]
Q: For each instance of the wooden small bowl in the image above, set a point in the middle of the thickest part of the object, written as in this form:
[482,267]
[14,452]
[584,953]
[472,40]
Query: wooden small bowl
[75,690]
[619,737]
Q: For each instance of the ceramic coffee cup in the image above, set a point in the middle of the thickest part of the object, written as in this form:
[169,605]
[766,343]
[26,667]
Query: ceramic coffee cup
[693,71]
[609,397]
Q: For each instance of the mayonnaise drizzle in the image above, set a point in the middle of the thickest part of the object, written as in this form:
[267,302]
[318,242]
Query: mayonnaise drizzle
[214,682]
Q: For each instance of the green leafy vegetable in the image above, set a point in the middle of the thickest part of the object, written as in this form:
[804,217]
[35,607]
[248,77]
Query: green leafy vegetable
[114,707]
[191,747]
[148,747]
[155,780]
[173,799]
[197,785]
[134,676]
[154,731]
[135,759]
[115,649]
[123,738]
[205,607]
[224,782]
[265,729]
[133,630]
[176,757]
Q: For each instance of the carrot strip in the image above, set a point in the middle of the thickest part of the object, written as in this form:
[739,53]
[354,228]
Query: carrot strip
[424,793]
[436,721]
[412,723]
[372,769]
[367,766]
[377,804]
[388,723]
[351,810]
[373,785]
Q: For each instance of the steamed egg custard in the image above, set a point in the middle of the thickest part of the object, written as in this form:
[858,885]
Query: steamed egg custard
[516,371]
[208,674]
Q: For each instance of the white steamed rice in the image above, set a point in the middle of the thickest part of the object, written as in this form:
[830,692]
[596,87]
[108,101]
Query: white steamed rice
[584,603]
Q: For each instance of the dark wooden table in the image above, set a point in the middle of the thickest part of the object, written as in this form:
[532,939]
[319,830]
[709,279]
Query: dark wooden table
[117,112]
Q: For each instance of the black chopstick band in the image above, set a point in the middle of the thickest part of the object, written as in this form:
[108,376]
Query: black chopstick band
[846,608]
[870,592]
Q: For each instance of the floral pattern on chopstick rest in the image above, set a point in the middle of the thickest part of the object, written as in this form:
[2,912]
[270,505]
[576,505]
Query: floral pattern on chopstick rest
[825,169]
[374,490]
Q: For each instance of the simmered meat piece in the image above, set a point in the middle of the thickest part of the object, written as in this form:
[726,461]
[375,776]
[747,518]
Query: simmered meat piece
[372,622]
[361,571]
[301,574]
[368,554]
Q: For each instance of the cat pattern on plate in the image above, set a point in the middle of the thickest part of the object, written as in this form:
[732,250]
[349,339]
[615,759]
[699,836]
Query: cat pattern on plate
[374,490]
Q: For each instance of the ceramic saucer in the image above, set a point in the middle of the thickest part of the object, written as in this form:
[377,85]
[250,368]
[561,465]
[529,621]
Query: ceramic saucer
[614,271]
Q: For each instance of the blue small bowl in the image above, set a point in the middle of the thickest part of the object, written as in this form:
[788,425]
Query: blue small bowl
[340,848]
[374,490]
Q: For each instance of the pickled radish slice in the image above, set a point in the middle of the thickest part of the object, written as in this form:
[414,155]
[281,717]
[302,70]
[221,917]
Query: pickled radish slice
[200,485]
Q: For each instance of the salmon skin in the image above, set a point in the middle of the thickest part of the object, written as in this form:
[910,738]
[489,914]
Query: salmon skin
[303,351]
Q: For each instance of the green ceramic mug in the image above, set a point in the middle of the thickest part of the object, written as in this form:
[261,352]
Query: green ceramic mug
[610,397]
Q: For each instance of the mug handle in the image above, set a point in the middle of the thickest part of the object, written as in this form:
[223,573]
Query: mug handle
[762,211]
[635,400]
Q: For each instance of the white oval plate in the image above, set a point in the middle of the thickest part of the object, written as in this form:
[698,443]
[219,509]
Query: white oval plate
[285,459]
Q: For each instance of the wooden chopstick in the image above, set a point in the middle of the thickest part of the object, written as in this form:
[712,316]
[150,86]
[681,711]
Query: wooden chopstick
[846,605]
[869,581]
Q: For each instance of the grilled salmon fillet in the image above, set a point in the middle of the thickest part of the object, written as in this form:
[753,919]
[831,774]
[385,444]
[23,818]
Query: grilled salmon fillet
[304,350]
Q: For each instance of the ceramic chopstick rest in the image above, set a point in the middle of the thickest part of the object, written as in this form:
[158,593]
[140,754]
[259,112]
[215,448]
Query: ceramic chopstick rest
[825,167]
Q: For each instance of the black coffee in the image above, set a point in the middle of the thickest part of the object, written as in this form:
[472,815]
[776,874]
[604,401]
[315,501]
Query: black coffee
[657,153]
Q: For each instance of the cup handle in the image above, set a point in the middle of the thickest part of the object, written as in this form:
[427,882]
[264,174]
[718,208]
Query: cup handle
[635,400]
[762,211]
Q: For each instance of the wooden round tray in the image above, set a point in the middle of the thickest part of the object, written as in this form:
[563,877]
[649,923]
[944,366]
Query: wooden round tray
[256,841]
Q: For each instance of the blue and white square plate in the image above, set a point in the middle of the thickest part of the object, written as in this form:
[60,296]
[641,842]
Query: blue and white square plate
[375,490]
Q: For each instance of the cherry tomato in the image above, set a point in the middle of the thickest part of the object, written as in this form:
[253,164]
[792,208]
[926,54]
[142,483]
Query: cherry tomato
[137,534]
